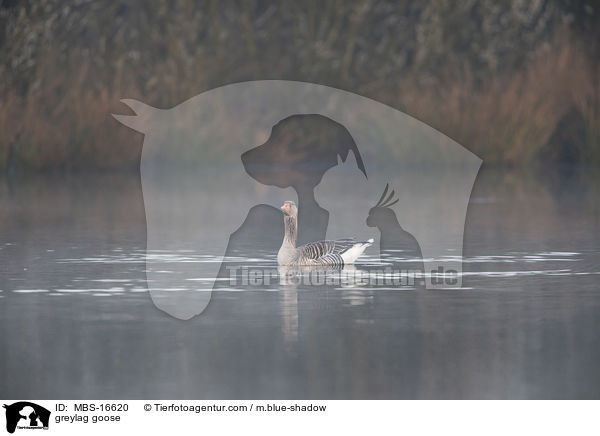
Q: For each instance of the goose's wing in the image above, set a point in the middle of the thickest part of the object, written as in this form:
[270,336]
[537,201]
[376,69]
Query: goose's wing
[315,250]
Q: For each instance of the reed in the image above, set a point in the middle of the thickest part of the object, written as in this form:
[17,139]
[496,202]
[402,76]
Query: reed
[510,118]
[64,73]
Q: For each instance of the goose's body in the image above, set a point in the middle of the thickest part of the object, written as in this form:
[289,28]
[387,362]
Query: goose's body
[321,253]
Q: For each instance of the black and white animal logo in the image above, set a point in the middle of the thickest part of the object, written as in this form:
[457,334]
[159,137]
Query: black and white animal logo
[26,415]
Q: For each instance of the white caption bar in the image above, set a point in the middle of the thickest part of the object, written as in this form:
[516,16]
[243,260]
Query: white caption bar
[299,417]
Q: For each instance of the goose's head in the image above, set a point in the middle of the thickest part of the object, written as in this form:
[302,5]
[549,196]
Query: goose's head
[289,208]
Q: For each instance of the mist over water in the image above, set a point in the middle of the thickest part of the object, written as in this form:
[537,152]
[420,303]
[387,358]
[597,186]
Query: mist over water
[78,321]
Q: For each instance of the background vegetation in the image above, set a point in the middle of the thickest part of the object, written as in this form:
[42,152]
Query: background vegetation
[515,81]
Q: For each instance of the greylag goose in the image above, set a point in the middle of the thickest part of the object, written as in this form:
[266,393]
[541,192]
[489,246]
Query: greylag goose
[321,253]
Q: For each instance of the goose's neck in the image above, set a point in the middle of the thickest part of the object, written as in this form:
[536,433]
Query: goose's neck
[291,230]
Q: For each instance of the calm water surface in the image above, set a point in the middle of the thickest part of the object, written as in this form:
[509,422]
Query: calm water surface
[78,322]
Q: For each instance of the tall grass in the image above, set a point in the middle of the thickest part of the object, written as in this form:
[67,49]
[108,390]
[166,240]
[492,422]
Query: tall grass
[55,105]
[510,118]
